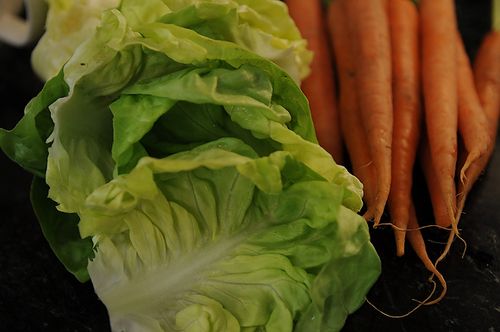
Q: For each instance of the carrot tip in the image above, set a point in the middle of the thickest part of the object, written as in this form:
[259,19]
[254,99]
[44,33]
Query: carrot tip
[400,249]
[399,237]
[471,158]
[369,214]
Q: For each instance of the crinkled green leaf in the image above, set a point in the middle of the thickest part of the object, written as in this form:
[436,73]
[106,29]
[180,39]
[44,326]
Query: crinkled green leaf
[61,231]
[261,26]
[26,143]
[68,24]
[198,240]
[107,66]
[189,157]
[79,159]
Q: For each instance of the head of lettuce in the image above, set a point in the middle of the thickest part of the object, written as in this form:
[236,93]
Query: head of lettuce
[180,173]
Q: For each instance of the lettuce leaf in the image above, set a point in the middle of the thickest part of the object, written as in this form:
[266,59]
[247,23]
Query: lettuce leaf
[26,142]
[61,231]
[218,239]
[181,171]
[254,93]
[261,26]
[68,24]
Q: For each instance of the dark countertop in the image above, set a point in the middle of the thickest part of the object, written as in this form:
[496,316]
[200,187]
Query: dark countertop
[37,294]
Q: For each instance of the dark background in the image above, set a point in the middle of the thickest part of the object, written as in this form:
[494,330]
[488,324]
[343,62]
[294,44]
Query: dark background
[37,294]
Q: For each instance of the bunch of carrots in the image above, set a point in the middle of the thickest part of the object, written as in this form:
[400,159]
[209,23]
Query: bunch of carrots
[391,85]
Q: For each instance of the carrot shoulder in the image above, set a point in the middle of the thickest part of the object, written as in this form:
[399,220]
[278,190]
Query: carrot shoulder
[403,22]
[438,28]
[368,23]
[319,86]
[350,119]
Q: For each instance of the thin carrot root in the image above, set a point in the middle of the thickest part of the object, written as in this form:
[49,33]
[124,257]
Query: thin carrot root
[418,244]
[461,199]
[408,229]
[454,220]
[472,157]
[420,304]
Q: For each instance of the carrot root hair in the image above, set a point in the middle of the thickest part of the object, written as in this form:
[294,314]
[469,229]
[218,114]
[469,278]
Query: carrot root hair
[411,311]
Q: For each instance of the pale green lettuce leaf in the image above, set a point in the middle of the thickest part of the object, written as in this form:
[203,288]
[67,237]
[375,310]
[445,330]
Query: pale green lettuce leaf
[89,143]
[26,142]
[198,242]
[192,163]
[138,12]
[61,232]
[263,27]
[78,158]
[68,24]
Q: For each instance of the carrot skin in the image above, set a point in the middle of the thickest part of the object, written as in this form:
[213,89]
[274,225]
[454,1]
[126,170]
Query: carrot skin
[438,203]
[369,26]
[472,121]
[319,86]
[439,85]
[403,22]
[487,77]
[486,70]
[350,118]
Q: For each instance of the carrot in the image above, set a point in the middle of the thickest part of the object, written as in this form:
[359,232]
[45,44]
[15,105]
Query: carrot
[439,85]
[487,77]
[472,120]
[403,23]
[319,86]
[491,109]
[369,26]
[417,242]
[438,204]
[487,80]
[350,119]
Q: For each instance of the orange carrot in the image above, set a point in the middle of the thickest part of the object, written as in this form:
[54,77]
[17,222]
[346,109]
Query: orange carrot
[487,77]
[417,242]
[350,118]
[487,80]
[403,22]
[369,26]
[472,120]
[439,208]
[439,85]
[319,86]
